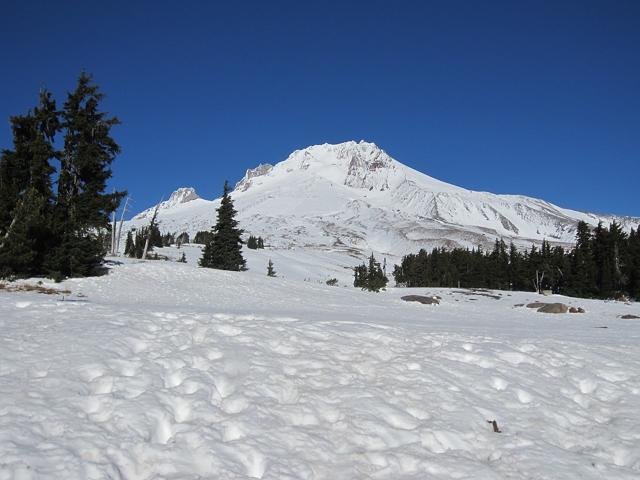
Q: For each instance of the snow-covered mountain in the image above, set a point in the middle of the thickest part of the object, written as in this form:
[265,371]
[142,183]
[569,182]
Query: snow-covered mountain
[354,197]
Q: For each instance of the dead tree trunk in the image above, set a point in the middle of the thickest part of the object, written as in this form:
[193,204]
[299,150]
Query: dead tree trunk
[113,232]
[12,224]
[124,210]
[151,225]
[537,282]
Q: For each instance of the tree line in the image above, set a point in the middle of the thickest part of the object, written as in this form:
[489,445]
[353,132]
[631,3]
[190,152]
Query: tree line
[604,263]
[54,212]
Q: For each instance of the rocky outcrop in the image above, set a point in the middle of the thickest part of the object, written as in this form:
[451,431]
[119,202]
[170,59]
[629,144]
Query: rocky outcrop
[536,304]
[252,173]
[554,308]
[421,299]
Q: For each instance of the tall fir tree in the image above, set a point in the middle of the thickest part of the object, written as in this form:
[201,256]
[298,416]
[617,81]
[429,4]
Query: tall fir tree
[81,214]
[370,277]
[252,242]
[376,279]
[25,190]
[632,270]
[224,251]
[129,246]
[270,270]
[582,273]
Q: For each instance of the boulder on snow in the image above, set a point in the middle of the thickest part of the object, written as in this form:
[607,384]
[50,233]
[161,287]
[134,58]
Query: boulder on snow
[576,310]
[629,317]
[421,299]
[554,308]
[536,304]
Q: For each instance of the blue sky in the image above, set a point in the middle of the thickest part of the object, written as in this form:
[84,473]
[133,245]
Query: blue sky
[537,98]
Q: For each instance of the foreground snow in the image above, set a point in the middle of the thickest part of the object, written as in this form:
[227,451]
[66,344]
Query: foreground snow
[163,370]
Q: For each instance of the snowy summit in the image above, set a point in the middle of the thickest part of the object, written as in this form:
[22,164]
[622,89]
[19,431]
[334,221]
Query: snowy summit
[354,196]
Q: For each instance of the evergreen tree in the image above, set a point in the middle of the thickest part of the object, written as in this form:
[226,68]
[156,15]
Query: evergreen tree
[270,271]
[260,243]
[224,251]
[370,277]
[140,239]
[632,268]
[252,242]
[515,271]
[25,190]
[376,279]
[582,273]
[182,239]
[168,239]
[156,239]
[82,207]
[360,276]
[129,249]
[203,237]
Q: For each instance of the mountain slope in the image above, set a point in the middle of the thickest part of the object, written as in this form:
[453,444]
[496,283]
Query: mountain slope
[353,196]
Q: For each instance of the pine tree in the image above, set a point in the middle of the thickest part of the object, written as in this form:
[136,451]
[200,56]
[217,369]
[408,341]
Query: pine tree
[182,239]
[260,243]
[140,239]
[224,251]
[633,264]
[582,273]
[270,271]
[155,237]
[168,239]
[252,242]
[370,277]
[203,237]
[360,276]
[82,208]
[25,190]
[376,277]
[129,248]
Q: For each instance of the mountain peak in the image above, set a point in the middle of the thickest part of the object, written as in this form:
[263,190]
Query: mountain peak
[178,197]
[353,195]
[250,174]
[181,195]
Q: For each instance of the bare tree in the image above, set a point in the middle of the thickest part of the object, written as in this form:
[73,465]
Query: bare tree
[14,221]
[124,210]
[151,225]
[537,282]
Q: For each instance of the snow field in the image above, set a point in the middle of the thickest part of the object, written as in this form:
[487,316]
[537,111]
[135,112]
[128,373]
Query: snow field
[163,370]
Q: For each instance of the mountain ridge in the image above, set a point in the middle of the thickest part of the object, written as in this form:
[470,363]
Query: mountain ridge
[353,195]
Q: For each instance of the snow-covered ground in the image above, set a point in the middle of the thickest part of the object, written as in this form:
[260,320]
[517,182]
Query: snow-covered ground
[164,370]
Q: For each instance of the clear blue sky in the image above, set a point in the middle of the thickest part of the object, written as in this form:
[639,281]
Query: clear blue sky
[531,97]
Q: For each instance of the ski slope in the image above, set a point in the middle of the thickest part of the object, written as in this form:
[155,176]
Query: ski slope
[162,370]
